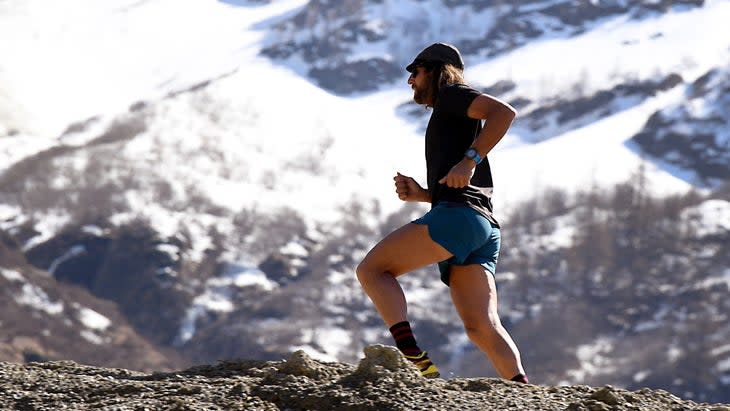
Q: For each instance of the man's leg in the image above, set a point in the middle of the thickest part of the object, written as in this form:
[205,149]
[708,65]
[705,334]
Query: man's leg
[405,249]
[474,294]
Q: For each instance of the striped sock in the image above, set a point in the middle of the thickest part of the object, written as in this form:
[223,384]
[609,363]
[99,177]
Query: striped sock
[404,338]
[406,343]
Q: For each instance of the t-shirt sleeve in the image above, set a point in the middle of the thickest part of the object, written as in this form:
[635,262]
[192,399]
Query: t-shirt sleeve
[456,99]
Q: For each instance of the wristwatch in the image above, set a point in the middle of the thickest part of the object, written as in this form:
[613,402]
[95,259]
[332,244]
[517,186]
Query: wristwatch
[473,154]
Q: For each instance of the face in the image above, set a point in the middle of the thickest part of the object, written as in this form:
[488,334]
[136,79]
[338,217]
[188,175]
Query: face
[419,81]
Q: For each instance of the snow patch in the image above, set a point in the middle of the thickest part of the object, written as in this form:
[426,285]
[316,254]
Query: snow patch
[641,376]
[92,337]
[92,319]
[217,295]
[332,341]
[712,217]
[12,275]
[593,359]
[94,230]
[36,298]
[294,249]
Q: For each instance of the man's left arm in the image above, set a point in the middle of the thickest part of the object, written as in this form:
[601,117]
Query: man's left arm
[499,116]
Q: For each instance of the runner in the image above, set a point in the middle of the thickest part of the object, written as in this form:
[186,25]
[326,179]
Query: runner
[459,232]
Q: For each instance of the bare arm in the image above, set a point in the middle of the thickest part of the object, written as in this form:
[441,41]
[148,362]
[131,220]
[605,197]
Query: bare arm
[409,190]
[499,116]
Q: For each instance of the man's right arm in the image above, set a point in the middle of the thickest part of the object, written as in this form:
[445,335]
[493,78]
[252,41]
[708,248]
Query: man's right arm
[409,190]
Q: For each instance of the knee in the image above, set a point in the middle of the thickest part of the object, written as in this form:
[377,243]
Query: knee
[364,272]
[367,272]
[484,326]
[361,271]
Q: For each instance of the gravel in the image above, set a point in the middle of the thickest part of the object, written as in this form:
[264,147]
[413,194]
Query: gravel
[382,381]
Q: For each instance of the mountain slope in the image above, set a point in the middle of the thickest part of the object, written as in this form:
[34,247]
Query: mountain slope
[44,319]
[693,135]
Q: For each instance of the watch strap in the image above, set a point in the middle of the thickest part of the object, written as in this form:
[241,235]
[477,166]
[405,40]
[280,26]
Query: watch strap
[473,155]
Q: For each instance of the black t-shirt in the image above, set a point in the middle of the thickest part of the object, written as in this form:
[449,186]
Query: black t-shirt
[449,134]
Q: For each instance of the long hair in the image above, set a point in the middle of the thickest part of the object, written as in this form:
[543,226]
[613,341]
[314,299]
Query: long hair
[442,75]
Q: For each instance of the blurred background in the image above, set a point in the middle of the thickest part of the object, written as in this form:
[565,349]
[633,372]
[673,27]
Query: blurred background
[188,182]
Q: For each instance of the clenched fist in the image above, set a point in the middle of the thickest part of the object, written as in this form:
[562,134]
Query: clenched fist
[409,190]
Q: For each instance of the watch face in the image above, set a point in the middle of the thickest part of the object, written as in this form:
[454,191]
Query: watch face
[471,153]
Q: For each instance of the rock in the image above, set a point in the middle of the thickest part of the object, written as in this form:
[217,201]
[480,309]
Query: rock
[380,358]
[607,395]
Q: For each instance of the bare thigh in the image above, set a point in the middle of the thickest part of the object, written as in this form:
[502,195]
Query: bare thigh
[474,294]
[405,249]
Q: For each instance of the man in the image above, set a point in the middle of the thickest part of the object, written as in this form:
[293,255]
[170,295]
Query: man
[459,232]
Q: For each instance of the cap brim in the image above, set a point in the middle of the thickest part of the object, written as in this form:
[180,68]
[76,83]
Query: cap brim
[413,65]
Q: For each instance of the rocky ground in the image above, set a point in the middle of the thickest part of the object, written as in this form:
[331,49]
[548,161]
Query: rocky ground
[381,381]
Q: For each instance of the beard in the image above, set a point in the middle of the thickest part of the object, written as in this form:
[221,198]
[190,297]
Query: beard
[418,96]
[421,95]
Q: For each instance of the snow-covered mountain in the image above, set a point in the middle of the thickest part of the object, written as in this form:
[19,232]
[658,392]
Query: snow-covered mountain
[217,169]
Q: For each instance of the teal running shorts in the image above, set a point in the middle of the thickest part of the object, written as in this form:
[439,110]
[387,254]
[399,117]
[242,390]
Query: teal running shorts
[465,233]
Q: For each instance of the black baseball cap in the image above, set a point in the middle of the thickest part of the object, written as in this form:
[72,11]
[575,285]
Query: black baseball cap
[438,53]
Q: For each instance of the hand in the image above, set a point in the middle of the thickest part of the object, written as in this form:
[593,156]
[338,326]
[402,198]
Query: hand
[460,175]
[408,189]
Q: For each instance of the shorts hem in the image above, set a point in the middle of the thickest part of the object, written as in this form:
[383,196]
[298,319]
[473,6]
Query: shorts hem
[445,244]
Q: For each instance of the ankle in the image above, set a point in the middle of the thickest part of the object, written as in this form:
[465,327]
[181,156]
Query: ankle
[520,378]
[404,339]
